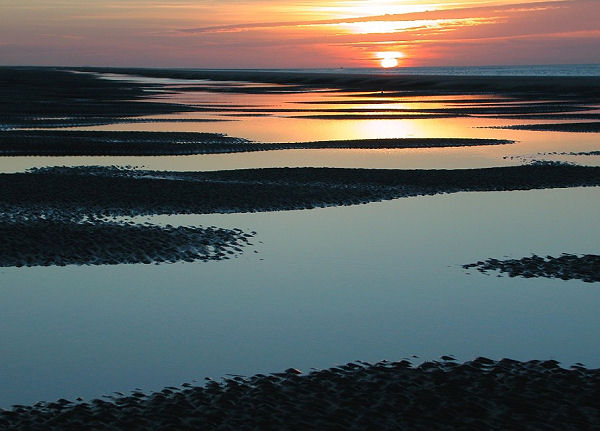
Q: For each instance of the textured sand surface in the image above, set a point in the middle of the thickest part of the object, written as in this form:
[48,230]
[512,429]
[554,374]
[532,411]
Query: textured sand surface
[566,267]
[476,395]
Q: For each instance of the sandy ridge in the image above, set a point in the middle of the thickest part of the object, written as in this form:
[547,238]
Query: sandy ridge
[62,143]
[75,192]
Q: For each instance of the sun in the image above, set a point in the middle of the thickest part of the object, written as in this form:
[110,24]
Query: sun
[389,58]
[389,62]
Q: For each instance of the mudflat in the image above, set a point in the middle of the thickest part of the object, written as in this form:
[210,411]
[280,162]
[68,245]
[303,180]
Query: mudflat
[444,395]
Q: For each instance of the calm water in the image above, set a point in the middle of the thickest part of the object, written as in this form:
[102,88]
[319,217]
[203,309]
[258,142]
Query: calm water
[327,286]
[281,125]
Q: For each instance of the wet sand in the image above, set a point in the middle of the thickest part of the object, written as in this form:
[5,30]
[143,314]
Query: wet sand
[78,143]
[49,242]
[73,193]
[441,395]
[566,267]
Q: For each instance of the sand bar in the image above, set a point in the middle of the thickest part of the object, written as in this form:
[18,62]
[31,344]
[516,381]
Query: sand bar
[63,143]
[72,193]
[583,127]
[50,242]
[566,267]
[441,395]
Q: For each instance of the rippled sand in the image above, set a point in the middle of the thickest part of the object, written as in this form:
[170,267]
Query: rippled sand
[445,395]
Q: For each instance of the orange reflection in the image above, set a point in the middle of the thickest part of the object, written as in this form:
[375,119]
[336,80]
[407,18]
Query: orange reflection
[371,8]
[378,27]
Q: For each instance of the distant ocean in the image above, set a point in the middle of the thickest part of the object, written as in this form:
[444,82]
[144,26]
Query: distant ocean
[537,70]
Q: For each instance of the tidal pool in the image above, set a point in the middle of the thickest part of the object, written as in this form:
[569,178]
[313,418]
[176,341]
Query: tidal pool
[326,286]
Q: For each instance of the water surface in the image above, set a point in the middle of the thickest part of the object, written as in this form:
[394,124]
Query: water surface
[326,286]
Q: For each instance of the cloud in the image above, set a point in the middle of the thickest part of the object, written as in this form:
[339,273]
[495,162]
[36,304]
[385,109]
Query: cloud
[294,33]
[443,14]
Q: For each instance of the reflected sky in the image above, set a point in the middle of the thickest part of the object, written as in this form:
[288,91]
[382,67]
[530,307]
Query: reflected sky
[327,286]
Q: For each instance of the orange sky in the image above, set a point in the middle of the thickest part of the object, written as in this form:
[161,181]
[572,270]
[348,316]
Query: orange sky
[296,33]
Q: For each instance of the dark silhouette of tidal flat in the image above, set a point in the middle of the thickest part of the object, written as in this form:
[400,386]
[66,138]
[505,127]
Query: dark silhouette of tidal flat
[54,242]
[443,395]
[566,267]
[581,127]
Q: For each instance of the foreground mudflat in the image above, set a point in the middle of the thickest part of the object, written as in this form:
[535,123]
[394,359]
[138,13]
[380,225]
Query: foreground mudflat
[480,394]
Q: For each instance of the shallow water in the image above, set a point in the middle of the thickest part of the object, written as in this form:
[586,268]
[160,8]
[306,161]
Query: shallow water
[528,147]
[327,286]
[280,125]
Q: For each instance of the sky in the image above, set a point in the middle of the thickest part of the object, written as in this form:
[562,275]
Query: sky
[298,33]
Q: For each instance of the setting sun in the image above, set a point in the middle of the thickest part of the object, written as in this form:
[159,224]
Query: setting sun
[389,59]
[389,62]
